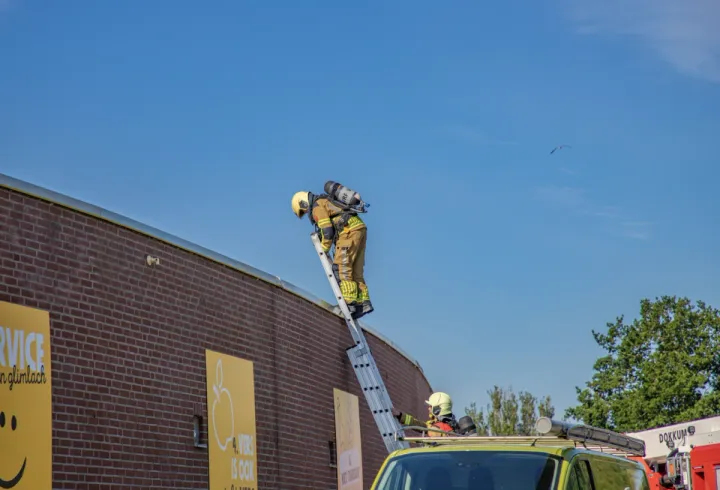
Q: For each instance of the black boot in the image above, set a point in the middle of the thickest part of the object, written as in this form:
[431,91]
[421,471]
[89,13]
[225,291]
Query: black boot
[367,307]
[353,307]
[363,309]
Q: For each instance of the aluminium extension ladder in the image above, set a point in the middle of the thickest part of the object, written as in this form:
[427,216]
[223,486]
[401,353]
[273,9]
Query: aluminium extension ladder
[364,365]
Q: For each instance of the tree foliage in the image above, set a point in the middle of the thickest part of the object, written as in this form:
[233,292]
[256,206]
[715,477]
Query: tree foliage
[478,417]
[509,413]
[663,368]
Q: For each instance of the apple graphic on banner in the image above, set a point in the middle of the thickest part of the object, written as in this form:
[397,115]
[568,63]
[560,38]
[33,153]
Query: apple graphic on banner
[222,400]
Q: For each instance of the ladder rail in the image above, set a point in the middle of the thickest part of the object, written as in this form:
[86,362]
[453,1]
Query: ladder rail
[364,365]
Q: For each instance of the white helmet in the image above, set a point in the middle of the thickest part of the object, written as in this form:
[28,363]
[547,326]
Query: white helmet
[300,203]
[440,403]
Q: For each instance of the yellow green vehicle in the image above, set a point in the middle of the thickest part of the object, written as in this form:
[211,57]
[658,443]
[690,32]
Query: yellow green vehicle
[562,456]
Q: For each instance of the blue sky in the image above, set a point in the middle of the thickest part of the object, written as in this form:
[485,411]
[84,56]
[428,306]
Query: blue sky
[489,260]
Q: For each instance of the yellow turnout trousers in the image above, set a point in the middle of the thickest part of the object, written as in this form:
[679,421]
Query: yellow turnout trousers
[349,265]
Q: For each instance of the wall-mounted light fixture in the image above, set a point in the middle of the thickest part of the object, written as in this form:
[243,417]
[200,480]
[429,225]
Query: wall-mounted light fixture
[197,431]
[151,261]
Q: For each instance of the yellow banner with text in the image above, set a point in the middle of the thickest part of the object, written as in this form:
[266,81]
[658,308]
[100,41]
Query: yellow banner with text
[348,444]
[231,422]
[25,398]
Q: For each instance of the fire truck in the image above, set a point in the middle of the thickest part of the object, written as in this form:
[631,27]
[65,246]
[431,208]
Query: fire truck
[683,456]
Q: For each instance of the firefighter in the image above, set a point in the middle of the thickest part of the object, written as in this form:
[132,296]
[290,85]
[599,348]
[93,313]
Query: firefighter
[440,413]
[340,225]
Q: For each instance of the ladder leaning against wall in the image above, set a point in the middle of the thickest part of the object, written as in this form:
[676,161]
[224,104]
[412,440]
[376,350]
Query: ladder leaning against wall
[364,365]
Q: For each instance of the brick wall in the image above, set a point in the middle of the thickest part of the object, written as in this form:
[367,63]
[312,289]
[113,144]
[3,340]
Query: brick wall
[128,355]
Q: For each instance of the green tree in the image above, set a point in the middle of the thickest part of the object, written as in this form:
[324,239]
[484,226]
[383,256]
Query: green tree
[478,417]
[545,408]
[663,368]
[528,415]
[509,413]
[503,412]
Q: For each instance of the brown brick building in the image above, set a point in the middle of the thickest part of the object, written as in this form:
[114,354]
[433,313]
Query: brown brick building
[128,350]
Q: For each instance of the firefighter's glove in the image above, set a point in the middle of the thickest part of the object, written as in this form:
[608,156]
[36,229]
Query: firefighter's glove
[403,418]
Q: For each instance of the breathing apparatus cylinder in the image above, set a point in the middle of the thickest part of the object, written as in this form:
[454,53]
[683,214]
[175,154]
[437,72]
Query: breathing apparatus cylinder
[345,195]
[466,426]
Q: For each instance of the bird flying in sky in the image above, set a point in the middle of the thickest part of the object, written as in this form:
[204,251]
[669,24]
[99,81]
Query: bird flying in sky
[559,148]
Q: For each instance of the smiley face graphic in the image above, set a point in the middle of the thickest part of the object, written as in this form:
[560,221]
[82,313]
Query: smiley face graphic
[10,422]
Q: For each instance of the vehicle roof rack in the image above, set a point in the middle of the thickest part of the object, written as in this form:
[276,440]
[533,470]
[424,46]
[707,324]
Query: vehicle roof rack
[552,433]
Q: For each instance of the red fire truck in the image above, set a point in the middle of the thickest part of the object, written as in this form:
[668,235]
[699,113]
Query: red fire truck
[683,456]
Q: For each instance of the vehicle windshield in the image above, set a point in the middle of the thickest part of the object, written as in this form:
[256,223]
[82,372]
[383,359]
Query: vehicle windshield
[470,470]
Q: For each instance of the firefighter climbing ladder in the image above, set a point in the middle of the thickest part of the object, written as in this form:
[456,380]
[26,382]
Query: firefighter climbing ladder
[364,365]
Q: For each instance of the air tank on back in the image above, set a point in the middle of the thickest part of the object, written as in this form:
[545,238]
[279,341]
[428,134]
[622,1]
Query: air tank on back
[466,426]
[345,195]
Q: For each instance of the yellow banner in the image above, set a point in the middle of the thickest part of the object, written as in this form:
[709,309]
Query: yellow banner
[231,422]
[25,398]
[347,435]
